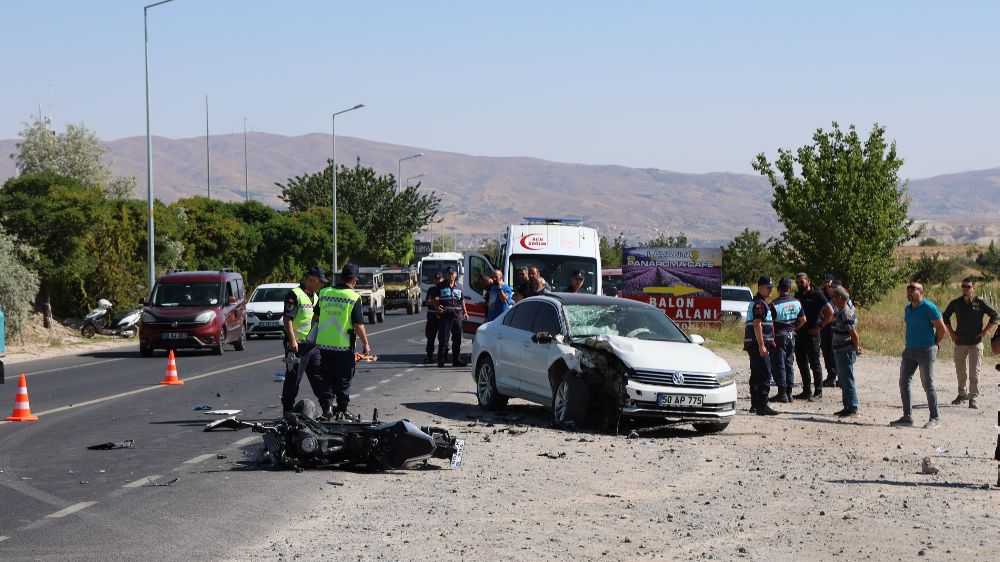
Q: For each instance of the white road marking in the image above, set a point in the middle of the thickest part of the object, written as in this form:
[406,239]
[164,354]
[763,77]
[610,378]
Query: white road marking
[369,388]
[396,328]
[152,386]
[398,375]
[3,538]
[353,396]
[407,370]
[70,510]
[30,373]
[246,441]
[199,458]
[142,481]
[383,381]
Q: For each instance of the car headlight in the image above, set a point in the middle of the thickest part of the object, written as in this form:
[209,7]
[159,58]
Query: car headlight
[726,378]
[205,317]
[148,318]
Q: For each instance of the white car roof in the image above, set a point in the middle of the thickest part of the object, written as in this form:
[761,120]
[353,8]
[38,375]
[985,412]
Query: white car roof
[276,286]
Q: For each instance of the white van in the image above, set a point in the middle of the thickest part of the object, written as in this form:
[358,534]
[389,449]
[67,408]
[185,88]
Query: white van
[437,262]
[557,247]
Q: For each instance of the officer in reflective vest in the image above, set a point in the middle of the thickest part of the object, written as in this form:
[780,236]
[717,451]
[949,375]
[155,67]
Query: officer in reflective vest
[758,339]
[338,321]
[299,307]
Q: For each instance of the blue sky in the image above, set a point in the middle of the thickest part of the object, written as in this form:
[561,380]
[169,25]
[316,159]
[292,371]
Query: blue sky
[684,86]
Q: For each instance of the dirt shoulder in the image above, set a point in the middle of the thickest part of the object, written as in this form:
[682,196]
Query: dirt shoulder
[799,486]
[63,338]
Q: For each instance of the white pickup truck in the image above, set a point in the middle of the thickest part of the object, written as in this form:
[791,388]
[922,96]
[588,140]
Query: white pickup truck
[736,301]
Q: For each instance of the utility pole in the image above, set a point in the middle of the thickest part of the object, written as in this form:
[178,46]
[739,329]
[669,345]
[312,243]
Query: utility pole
[246,175]
[208,155]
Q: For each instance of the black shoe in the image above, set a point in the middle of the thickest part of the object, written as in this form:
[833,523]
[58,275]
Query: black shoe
[786,398]
[766,410]
[428,360]
[806,394]
[816,397]
[753,405]
[459,363]
[830,382]
[777,397]
[440,364]
[847,413]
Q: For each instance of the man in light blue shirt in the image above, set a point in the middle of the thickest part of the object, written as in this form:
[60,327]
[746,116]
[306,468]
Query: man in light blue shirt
[924,331]
[500,297]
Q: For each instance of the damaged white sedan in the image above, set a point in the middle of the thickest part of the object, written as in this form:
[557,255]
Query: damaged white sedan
[593,359]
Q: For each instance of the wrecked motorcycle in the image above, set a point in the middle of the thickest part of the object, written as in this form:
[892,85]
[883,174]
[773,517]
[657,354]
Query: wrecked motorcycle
[298,440]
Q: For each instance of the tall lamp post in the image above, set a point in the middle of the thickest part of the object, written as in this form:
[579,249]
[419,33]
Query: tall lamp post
[414,177]
[149,146]
[399,168]
[333,164]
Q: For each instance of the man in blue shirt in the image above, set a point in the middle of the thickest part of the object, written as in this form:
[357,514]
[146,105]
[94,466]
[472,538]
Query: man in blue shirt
[924,331]
[788,317]
[451,308]
[500,296]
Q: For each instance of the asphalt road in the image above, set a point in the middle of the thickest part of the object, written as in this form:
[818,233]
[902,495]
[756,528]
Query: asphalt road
[59,500]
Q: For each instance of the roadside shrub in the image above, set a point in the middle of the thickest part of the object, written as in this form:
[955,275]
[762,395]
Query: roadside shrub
[989,262]
[934,270]
[929,242]
[18,284]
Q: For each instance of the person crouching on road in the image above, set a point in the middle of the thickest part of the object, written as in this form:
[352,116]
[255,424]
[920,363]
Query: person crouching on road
[788,317]
[299,308]
[758,339]
[924,332]
[500,297]
[433,318]
[846,347]
[339,321]
[968,338]
[451,307]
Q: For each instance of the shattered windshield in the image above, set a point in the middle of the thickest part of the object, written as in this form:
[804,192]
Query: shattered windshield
[621,320]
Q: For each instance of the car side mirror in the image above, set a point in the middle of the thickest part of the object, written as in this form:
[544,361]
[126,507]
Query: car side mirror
[542,337]
[696,339]
[232,299]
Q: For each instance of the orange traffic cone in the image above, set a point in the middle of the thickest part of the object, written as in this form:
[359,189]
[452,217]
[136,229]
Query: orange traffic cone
[22,412]
[171,377]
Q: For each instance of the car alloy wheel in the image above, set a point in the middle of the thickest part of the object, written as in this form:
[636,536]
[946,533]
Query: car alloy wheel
[560,402]
[485,382]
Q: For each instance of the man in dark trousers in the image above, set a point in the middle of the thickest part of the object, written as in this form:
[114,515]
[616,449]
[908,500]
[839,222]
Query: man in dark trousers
[339,321]
[299,309]
[826,336]
[758,340]
[431,326]
[450,305]
[819,313]
[788,317]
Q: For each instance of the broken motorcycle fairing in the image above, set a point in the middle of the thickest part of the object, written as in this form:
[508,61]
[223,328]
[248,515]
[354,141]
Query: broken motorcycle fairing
[299,441]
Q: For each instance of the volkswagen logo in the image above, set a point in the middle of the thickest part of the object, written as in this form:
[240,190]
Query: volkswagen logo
[678,379]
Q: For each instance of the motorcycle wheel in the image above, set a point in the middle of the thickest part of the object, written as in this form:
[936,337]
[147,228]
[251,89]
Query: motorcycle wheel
[88,330]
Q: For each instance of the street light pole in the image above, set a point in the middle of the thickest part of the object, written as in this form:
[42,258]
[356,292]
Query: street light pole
[414,177]
[208,156]
[151,252]
[399,168]
[333,164]
[246,174]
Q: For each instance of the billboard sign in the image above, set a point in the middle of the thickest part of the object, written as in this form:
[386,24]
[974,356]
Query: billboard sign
[685,283]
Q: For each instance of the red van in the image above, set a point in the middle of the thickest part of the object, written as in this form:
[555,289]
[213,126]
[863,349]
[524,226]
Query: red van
[195,309]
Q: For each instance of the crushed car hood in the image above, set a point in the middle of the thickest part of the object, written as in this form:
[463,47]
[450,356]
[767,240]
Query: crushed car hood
[658,355]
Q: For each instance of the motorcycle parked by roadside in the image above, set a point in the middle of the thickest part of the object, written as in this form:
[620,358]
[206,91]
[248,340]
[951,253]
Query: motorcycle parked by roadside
[102,321]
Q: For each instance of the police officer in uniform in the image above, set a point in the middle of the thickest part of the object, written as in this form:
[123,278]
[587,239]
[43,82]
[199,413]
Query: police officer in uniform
[299,307]
[339,320]
[758,340]
[788,317]
[431,326]
[450,305]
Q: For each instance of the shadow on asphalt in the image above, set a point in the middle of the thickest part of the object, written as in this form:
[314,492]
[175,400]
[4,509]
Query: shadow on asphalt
[957,485]
[527,414]
[134,353]
[838,422]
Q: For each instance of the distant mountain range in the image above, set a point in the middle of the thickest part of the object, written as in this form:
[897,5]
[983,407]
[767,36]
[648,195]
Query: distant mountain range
[481,194]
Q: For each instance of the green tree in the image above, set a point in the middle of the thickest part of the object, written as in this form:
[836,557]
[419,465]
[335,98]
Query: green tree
[665,241]
[489,247]
[445,243]
[76,153]
[843,207]
[296,241]
[929,242]
[989,262]
[933,269]
[746,257]
[54,214]
[611,251]
[117,275]
[386,218]
[18,283]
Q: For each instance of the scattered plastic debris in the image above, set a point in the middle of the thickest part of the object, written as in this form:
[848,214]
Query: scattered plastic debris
[552,455]
[648,443]
[433,389]
[608,495]
[169,483]
[279,377]
[223,412]
[126,444]
[368,358]
[227,423]
[334,483]
[940,449]
[201,407]
[220,456]
[927,466]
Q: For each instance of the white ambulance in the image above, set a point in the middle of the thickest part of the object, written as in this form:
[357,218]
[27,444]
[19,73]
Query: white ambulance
[437,262]
[556,246]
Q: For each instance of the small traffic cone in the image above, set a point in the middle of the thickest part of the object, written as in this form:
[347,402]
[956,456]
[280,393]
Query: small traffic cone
[171,377]
[22,411]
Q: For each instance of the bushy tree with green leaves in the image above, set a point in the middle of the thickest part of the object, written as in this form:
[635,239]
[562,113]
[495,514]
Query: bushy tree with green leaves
[933,269]
[746,257]
[989,262]
[386,218]
[76,153]
[611,250]
[843,207]
[18,283]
